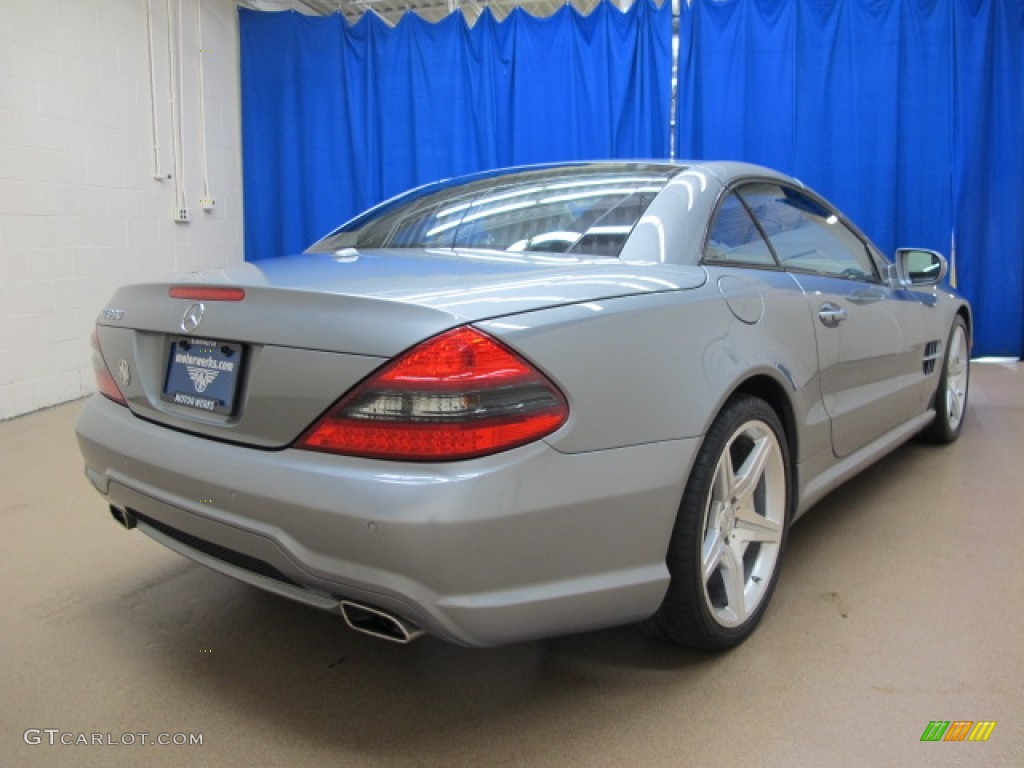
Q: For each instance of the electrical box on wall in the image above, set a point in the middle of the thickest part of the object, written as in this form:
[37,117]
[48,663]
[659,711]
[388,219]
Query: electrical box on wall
[181,214]
[208,203]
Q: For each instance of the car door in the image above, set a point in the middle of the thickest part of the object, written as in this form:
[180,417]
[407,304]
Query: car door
[867,339]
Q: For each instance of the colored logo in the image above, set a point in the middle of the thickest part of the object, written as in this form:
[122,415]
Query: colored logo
[958,730]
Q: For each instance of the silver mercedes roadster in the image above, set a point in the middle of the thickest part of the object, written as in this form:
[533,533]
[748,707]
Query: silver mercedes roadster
[528,402]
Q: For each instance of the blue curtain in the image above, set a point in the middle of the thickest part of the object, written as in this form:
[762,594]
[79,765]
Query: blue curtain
[336,118]
[988,169]
[909,114]
[906,113]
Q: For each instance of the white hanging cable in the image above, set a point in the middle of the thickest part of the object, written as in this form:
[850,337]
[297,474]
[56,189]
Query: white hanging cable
[174,78]
[157,172]
[207,199]
[180,93]
[172,99]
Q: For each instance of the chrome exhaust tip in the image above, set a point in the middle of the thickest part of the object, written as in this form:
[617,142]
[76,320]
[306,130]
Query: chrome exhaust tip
[123,517]
[378,623]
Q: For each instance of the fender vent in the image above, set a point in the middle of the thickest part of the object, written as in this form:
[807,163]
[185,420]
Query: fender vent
[931,356]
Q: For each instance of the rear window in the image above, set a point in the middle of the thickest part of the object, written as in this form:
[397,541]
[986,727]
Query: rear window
[584,210]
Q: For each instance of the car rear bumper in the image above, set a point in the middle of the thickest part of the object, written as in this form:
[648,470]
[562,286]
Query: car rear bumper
[524,544]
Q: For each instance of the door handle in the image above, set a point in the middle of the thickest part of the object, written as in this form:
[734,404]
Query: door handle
[831,315]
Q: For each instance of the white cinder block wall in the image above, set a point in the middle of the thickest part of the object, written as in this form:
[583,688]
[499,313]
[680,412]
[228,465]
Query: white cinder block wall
[80,210]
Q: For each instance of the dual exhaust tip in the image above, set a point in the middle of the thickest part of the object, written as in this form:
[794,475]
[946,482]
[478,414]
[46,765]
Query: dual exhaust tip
[359,617]
[377,623]
[123,517]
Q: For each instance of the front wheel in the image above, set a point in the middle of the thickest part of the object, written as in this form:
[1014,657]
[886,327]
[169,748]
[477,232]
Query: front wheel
[951,394]
[730,532]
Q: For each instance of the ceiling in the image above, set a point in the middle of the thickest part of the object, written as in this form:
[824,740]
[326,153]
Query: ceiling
[432,10]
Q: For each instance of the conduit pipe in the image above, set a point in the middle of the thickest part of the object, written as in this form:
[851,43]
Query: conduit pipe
[157,172]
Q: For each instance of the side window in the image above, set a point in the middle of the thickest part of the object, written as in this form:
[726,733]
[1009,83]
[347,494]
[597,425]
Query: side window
[807,236]
[734,238]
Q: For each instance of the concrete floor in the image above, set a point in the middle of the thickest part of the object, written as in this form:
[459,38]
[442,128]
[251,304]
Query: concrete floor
[901,602]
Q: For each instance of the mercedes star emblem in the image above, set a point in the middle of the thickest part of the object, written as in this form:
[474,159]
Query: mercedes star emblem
[193,316]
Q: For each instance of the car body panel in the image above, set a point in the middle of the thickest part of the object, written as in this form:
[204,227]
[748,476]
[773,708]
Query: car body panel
[871,364]
[467,550]
[467,285]
[352,306]
[639,402]
[284,388]
[307,342]
[563,534]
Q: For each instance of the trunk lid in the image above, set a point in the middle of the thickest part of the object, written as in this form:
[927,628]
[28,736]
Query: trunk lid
[310,327]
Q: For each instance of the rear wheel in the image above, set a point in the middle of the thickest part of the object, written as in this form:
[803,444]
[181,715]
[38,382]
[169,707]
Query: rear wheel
[730,532]
[951,395]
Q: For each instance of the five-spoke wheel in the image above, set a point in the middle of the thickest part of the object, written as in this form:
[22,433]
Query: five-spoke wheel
[731,530]
[743,524]
[951,394]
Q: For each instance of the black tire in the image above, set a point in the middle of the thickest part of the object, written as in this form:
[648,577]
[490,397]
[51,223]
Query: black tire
[951,394]
[716,521]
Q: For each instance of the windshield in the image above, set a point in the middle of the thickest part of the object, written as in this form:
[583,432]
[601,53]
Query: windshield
[585,210]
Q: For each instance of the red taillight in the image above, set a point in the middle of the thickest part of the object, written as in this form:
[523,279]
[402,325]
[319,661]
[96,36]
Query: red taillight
[456,396]
[206,293]
[104,379]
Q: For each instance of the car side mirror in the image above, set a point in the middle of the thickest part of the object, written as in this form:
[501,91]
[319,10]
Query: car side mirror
[919,266]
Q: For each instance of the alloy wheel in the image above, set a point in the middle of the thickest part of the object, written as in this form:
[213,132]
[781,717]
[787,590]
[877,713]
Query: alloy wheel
[743,524]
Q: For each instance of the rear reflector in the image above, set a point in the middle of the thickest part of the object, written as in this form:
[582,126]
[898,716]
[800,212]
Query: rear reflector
[104,379]
[206,293]
[459,395]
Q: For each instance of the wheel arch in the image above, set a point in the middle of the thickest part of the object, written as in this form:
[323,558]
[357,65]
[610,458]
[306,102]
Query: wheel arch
[690,613]
[964,311]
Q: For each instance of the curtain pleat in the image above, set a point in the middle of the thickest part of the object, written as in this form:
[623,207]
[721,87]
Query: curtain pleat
[906,113]
[909,114]
[336,118]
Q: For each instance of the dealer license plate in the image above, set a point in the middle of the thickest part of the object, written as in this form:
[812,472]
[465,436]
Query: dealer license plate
[203,374]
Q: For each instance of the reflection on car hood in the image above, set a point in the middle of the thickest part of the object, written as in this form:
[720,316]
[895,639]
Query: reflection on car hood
[468,285]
